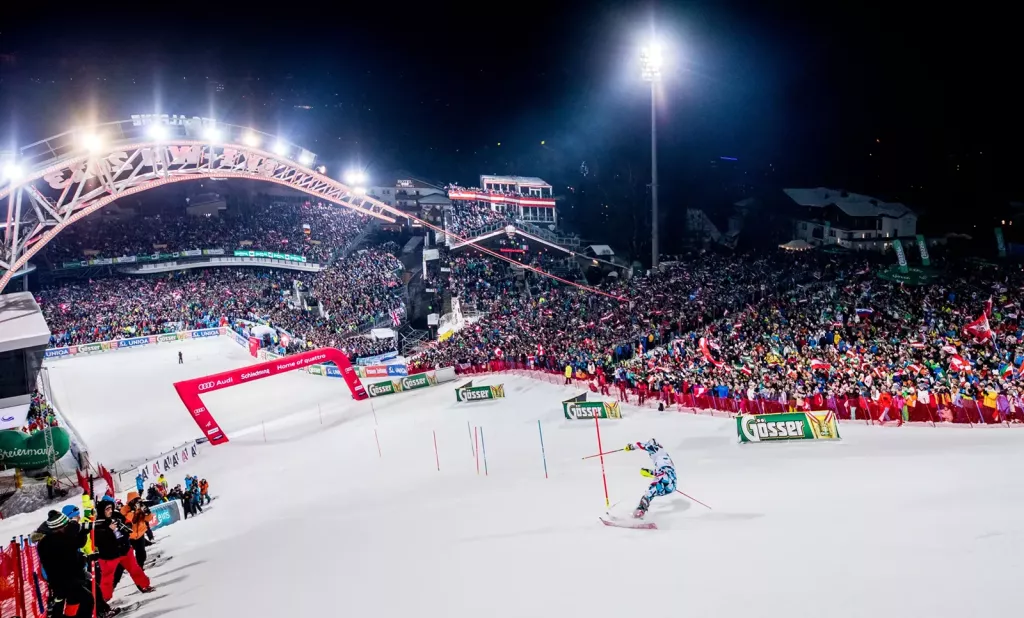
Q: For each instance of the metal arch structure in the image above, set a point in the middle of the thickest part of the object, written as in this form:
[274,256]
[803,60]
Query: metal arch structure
[61,181]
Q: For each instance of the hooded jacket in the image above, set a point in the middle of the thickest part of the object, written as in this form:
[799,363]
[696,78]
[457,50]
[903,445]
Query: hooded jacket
[112,543]
[61,557]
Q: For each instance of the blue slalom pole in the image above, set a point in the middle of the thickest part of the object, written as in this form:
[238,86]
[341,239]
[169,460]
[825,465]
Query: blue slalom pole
[483,449]
[542,455]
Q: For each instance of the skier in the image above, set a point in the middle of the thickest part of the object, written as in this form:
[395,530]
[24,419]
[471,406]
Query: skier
[664,474]
[181,361]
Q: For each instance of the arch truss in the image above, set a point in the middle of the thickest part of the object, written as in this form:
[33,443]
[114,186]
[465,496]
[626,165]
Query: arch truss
[66,184]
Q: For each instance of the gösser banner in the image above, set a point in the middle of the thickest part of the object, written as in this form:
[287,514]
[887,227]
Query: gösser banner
[190,390]
[787,426]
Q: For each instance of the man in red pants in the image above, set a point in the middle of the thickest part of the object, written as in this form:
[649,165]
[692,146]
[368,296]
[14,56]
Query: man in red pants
[113,543]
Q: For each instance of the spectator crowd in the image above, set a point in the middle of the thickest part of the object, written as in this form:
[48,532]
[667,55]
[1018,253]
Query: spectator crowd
[801,329]
[268,225]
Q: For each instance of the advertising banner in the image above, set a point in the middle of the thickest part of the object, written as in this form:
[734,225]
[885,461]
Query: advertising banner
[164,514]
[270,255]
[163,464]
[373,371]
[376,360]
[787,426]
[387,387]
[190,390]
[56,352]
[479,393]
[206,332]
[420,380]
[14,417]
[134,342]
[316,370]
[578,410]
[239,339]
[1000,242]
[901,257]
[331,371]
[192,253]
[168,338]
[397,370]
[923,246]
[20,450]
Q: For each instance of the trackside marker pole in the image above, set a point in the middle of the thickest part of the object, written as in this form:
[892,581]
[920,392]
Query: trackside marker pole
[542,455]
[604,479]
[469,432]
[483,447]
[264,431]
[476,449]
[437,460]
[374,410]
[321,413]
[377,440]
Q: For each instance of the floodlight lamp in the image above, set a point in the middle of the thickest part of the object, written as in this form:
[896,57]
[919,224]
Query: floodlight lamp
[306,158]
[92,142]
[281,149]
[251,140]
[355,177]
[321,169]
[211,134]
[651,61]
[12,172]
[158,132]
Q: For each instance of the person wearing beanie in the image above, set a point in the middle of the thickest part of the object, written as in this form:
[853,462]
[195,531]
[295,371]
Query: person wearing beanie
[136,515]
[114,546]
[60,555]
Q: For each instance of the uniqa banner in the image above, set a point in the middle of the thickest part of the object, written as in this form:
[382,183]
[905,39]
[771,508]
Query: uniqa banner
[468,392]
[787,426]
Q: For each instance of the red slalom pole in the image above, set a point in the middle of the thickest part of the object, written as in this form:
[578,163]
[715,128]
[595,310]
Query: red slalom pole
[476,447]
[695,500]
[604,453]
[437,460]
[604,479]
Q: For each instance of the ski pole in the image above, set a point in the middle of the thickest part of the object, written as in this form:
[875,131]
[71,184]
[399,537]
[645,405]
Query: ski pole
[604,453]
[695,500]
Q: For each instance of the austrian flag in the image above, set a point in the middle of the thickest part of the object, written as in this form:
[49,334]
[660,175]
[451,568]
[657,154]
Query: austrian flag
[979,329]
[958,363]
[818,365]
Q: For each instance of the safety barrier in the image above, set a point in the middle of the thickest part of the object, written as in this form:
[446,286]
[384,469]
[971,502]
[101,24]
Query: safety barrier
[23,590]
[965,412]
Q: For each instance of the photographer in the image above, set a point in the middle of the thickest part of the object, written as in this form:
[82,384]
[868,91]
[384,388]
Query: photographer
[136,515]
[114,547]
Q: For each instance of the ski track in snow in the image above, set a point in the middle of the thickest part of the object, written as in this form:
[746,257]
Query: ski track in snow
[908,521]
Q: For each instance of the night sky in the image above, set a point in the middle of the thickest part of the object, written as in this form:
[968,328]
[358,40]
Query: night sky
[917,107]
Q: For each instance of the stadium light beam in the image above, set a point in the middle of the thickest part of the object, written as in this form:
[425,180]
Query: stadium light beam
[281,149]
[306,158]
[211,134]
[359,190]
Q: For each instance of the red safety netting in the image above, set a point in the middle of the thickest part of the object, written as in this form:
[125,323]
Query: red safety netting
[22,587]
[967,412]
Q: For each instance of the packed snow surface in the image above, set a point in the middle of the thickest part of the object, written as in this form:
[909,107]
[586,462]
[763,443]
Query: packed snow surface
[310,520]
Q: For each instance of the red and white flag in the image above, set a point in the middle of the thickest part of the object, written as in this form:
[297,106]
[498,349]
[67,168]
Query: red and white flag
[820,365]
[959,363]
[979,328]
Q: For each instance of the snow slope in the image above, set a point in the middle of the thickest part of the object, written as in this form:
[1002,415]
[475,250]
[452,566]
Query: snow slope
[309,519]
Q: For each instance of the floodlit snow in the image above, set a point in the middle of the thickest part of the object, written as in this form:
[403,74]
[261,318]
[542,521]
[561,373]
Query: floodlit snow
[910,521]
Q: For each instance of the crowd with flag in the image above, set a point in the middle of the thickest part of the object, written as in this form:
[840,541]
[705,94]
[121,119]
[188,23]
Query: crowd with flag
[786,331]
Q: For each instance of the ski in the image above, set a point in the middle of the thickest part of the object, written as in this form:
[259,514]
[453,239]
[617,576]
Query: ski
[635,524]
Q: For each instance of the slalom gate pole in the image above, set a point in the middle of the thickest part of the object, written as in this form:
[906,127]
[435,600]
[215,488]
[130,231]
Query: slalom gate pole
[437,460]
[472,449]
[321,413]
[604,453]
[264,431]
[542,455]
[695,500]
[483,447]
[374,410]
[476,449]
[377,440]
[604,479]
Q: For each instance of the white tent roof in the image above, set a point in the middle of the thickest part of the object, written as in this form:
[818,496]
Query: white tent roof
[797,245]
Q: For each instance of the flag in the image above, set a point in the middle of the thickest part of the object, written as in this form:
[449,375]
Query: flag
[864,311]
[395,317]
[819,365]
[979,328]
[1005,370]
[710,351]
[948,349]
[958,363]
[988,307]
[917,345]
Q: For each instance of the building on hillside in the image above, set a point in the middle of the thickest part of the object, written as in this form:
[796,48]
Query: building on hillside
[402,190]
[527,198]
[854,221]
